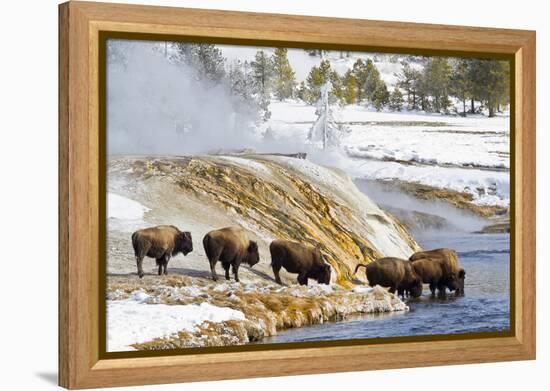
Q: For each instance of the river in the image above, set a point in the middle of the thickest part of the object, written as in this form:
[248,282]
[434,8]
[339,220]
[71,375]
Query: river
[485,307]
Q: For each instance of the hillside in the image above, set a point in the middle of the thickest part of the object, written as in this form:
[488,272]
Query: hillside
[270,196]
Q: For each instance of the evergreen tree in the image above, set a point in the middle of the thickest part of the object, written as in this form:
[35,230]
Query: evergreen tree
[351,89]
[283,75]
[437,77]
[359,72]
[317,78]
[326,131]
[381,96]
[337,90]
[396,99]
[491,83]
[461,84]
[240,81]
[374,86]
[262,70]
[408,80]
[301,91]
[243,85]
[314,80]
[205,58]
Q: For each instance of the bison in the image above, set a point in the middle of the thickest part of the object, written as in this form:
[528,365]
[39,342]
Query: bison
[434,273]
[455,275]
[231,247]
[395,273]
[160,242]
[306,261]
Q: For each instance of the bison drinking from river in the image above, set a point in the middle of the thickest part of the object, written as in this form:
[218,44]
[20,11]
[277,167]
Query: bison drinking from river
[231,247]
[161,243]
[306,261]
[453,275]
[395,273]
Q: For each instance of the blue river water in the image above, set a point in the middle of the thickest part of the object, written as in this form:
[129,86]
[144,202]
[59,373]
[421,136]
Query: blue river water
[485,307]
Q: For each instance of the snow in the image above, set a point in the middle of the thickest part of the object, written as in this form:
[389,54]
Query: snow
[247,163]
[122,208]
[466,154]
[362,289]
[131,321]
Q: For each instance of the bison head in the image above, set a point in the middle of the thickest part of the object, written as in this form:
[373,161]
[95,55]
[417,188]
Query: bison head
[184,243]
[460,282]
[324,275]
[252,255]
[452,282]
[415,287]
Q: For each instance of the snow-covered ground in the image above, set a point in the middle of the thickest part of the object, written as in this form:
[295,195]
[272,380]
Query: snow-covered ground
[132,321]
[467,154]
[122,208]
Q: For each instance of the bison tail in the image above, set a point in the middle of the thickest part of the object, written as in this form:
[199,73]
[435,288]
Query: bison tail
[358,266]
[135,242]
[206,245]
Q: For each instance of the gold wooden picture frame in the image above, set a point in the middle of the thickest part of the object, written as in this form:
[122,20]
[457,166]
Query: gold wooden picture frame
[83,30]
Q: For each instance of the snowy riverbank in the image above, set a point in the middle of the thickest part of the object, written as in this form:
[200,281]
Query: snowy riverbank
[180,311]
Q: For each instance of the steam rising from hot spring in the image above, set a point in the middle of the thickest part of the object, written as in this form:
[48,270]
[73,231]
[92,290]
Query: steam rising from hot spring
[159,106]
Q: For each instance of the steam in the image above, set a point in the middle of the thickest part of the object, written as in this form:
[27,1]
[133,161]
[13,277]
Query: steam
[157,106]
[386,195]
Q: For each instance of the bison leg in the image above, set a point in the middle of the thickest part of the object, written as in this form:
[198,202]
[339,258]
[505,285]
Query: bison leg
[442,290]
[226,267]
[159,264]
[165,263]
[302,279]
[236,271]
[276,269]
[432,288]
[213,269]
[139,262]
[393,289]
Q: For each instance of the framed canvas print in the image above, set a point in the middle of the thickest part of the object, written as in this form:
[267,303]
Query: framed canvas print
[271,194]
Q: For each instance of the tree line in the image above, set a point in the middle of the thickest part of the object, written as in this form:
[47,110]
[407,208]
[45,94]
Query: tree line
[430,87]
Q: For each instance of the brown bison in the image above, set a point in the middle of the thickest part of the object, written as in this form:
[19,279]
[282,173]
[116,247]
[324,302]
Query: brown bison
[395,273]
[161,243]
[231,247]
[454,274]
[434,273]
[306,261]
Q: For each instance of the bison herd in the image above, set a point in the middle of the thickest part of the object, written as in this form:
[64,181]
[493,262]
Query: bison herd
[231,246]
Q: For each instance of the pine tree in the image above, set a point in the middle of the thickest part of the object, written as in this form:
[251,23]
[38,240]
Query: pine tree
[359,72]
[314,80]
[205,58]
[374,85]
[243,85]
[491,83]
[262,70]
[337,90]
[381,96]
[283,78]
[437,77]
[326,131]
[461,85]
[408,80]
[350,88]
[317,78]
[301,91]
[396,99]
